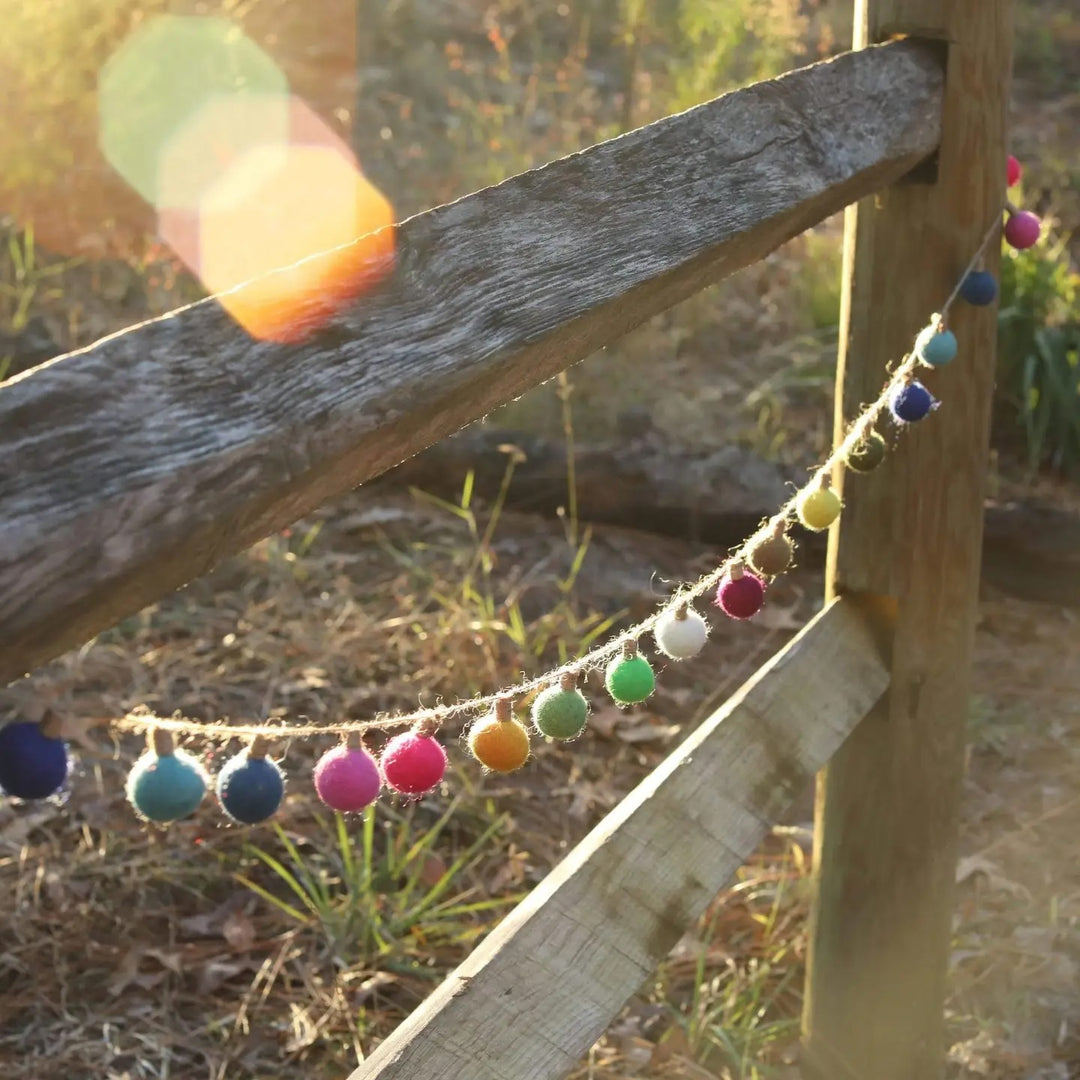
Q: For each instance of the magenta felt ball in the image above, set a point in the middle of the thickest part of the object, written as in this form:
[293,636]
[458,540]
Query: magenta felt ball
[413,763]
[1022,230]
[741,597]
[1013,172]
[347,779]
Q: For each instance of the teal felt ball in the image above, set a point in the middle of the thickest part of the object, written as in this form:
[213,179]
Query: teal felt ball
[560,712]
[629,679]
[935,347]
[166,787]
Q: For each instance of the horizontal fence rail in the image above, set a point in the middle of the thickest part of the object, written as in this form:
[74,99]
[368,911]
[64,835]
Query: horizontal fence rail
[543,986]
[137,465]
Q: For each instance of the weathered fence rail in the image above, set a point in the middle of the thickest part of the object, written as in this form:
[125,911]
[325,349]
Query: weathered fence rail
[137,465]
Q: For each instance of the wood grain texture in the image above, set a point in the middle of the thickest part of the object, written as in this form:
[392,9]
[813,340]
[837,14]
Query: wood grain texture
[909,539]
[137,465]
[536,994]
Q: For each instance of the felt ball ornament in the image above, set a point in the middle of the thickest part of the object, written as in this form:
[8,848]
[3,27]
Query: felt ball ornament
[1013,171]
[561,711]
[911,402]
[33,760]
[347,778]
[1022,229]
[772,555]
[250,786]
[740,594]
[681,634]
[867,454]
[979,288]
[935,346]
[166,784]
[818,508]
[629,678]
[414,762]
[499,741]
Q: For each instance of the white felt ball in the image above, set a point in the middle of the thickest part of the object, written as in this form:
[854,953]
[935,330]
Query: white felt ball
[681,639]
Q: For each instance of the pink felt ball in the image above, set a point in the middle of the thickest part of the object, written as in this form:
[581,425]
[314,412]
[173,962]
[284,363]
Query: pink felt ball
[1013,171]
[413,763]
[741,597]
[347,779]
[1022,229]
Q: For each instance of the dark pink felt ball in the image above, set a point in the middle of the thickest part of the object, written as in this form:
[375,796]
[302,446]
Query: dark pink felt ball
[741,597]
[347,779]
[413,763]
[1022,230]
[1013,172]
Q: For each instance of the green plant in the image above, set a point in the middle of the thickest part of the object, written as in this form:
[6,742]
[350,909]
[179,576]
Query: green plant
[1039,351]
[374,897]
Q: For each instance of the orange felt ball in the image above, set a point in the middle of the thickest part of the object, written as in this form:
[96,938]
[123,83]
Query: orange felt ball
[499,745]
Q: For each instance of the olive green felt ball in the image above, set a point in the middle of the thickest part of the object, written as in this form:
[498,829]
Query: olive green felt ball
[559,713]
[629,679]
[867,454]
[773,555]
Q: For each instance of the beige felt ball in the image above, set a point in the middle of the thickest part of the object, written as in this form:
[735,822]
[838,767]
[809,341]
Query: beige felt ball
[681,634]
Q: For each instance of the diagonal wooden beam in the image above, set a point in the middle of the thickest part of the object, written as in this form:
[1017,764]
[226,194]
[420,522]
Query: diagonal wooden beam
[544,985]
[135,466]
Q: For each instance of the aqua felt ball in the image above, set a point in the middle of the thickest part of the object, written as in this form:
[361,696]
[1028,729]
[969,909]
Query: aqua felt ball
[347,779]
[935,347]
[32,765]
[979,288]
[413,763]
[629,679]
[166,787]
[560,712]
[911,403]
[250,789]
[1022,230]
[740,595]
[1013,171]
[680,638]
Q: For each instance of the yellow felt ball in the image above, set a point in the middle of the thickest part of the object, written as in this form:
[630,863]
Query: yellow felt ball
[819,509]
[499,745]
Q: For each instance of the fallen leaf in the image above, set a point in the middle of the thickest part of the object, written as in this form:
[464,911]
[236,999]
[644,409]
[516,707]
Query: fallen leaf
[972,865]
[239,931]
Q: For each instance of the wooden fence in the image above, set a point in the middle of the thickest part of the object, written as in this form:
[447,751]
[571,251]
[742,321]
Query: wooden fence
[138,464]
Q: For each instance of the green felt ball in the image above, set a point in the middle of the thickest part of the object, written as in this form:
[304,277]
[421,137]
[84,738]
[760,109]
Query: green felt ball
[630,679]
[867,454]
[559,713]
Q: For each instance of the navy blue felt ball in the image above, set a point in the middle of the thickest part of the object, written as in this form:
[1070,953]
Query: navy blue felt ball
[911,402]
[250,789]
[32,766]
[979,288]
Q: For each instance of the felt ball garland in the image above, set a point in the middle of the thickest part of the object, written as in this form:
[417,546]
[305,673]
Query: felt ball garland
[498,741]
[561,711]
[33,759]
[167,783]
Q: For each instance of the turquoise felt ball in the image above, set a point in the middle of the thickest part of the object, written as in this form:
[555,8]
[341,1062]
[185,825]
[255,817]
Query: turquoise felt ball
[561,712]
[935,347]
[166,784]
[629,678]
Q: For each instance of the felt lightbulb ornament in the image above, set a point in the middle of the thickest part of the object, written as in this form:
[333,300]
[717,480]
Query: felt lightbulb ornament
[561,711]
[740,594]
[33,758]
[629,677]
[414,762]
[1022,228]
[499,741]
[681,634]
[867,454]
[936,344]
[250,786]
[166,783]
[979,288]
[347,778]
[773,554]
[911,402]
[818,507]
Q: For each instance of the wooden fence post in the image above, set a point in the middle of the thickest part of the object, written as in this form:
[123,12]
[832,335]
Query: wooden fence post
[888,804]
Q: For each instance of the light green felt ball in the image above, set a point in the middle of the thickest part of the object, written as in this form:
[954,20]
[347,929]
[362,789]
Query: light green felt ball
[559,713]
[630,679]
